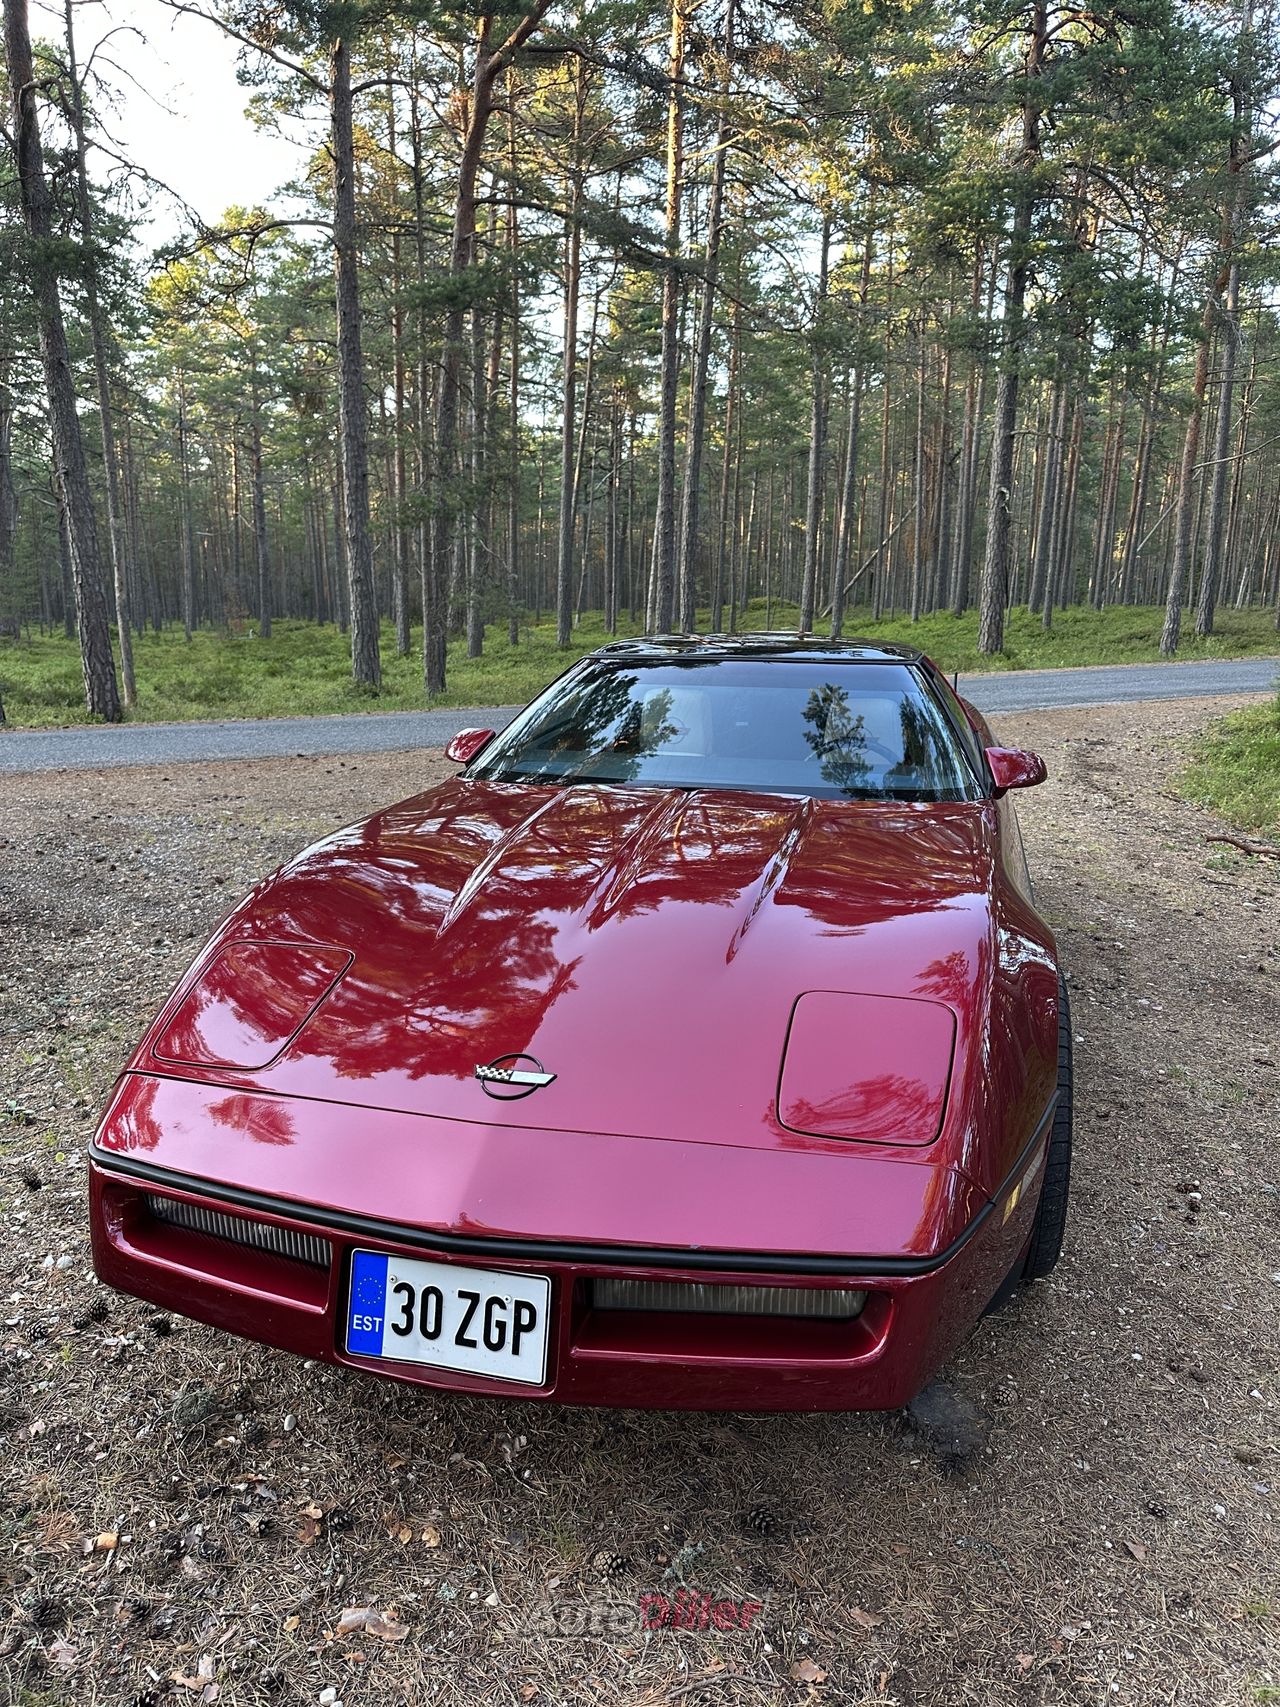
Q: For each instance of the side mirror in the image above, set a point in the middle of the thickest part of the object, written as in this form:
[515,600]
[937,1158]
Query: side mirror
[466,744]
[1012,768]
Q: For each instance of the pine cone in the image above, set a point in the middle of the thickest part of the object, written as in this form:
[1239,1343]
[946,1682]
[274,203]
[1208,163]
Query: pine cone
[48,1613]
[761,1521]
[97,1312]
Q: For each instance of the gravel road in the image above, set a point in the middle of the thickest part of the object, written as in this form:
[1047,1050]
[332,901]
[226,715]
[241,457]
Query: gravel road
[404,731]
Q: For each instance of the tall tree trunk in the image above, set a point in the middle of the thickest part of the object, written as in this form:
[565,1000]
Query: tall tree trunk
[1185,501]
[1239,550]
[971,456]
[959,594]
[1108,491]
[1230,319]
[98,338]
[629,525]
[585,421]
[723,547]
[880,571]
[366,659]
[817,436]
[513,388]
[184,515]
[1138,491]
[67,576]
[341,576]
[1041,576]
[940,533]
[738,594]
[662,578]
[400,532]
[1068,499]
[994,592]
[475,476]
[237,566]
[489,65]
[844,545]
[133,527]
[8,497]
[423,400]
[613,530]
[692,493]
[70,470]
[261,548]
[567,527]
[918,470]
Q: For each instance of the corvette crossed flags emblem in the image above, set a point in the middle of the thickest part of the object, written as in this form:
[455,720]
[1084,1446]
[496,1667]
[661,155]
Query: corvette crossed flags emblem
[512,1076]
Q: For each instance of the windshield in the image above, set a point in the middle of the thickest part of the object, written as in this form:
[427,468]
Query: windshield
[869,731]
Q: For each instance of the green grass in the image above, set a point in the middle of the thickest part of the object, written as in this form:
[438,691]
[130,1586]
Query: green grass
[305,669]
[1079,636]
[1236,768]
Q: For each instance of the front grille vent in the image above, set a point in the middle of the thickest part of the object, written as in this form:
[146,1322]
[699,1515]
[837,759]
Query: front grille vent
[828,1304]
[239,1230]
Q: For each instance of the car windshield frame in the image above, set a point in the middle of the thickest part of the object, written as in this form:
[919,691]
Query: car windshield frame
[844,771]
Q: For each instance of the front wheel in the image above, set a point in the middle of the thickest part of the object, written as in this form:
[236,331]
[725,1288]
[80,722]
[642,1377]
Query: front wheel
[1051,1213]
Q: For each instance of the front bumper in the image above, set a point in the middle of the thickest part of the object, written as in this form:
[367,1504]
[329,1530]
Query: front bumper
[910,1325]
[262,1264]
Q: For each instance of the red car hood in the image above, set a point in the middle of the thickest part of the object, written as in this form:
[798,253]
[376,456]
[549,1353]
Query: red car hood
[648,947]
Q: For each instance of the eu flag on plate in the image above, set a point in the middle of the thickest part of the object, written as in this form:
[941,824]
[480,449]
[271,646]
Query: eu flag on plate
[366,1311]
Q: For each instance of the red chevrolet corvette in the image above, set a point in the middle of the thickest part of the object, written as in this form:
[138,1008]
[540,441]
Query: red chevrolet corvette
[698,1045]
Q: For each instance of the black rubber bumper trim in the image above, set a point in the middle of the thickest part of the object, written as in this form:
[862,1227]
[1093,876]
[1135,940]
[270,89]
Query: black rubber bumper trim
[563,1250]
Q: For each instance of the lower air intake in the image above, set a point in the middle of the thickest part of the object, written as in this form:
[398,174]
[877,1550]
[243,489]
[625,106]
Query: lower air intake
[239,1230]
[827,1304]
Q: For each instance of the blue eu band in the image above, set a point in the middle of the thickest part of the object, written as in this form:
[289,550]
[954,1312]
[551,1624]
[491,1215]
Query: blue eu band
[368,1304]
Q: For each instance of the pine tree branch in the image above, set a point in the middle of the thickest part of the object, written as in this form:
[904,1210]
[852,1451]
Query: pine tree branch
[290,65]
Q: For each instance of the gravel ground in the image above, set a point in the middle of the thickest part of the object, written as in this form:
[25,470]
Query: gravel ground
[184,1517]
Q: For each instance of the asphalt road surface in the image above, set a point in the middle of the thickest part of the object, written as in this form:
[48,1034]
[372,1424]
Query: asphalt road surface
[91,748]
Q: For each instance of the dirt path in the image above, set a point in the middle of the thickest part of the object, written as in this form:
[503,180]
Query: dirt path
[1115,1540]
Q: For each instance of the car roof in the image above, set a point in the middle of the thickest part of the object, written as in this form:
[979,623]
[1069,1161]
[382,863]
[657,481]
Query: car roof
[655,648]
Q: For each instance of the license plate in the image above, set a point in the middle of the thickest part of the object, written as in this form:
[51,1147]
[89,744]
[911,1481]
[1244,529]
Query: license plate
[479,1321]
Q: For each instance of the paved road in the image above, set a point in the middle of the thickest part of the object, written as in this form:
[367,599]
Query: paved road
[1118,684]
[400,731]
[261,738]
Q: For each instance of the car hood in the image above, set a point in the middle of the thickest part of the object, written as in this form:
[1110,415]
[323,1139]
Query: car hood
[648,947]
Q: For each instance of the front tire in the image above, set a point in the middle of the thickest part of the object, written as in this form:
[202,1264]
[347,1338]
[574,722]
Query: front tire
[1051,1213]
